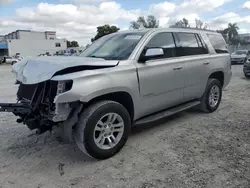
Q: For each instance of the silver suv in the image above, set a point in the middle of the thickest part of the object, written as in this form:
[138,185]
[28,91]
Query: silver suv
[121,80]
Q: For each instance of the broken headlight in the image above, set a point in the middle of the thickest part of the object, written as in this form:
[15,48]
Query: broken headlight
[63,86]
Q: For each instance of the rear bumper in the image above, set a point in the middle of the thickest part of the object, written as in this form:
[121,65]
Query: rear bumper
[237,61]
[18,108]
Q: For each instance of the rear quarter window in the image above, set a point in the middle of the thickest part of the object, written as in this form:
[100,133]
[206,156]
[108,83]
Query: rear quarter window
[218,43]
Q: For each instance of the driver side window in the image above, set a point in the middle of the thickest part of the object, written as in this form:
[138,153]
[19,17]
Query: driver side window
[165,41]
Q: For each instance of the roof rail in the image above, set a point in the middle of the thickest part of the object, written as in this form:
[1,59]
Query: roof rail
[193,28]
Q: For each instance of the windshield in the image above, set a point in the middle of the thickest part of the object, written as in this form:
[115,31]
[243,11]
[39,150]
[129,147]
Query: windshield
[240,53]
[114,47]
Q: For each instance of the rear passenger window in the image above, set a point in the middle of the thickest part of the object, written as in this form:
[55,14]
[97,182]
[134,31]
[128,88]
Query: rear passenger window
[165,41]
[188,44]
[218,43]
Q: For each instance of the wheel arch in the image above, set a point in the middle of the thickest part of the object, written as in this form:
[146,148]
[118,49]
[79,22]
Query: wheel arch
[122,97]
[219,75]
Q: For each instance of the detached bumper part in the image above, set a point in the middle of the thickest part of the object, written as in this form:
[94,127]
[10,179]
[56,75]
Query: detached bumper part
[15,107]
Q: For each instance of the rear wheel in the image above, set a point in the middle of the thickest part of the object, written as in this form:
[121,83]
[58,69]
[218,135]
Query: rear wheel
[14,62]
[211,99]
[103,129]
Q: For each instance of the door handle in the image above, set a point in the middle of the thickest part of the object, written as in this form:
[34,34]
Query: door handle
[206,62]
[178,68]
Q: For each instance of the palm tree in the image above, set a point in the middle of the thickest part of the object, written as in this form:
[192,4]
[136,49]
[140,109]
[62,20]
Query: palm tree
[232,31]
[224,33]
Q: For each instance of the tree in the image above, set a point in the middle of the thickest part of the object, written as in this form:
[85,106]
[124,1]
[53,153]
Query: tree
[224,34]
[235,41]
[141,22]
[182,23]
[232,31]
[104,30]
[72,44]
[200,24]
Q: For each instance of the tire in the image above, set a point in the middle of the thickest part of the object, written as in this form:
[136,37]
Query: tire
[13,62]
[247,77]
[86,133]
[205,105]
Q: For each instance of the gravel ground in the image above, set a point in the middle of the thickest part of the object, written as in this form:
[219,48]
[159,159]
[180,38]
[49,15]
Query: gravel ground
[191,149]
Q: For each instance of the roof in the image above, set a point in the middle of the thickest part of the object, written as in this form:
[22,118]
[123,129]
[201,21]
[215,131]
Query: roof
[29,31]
[172,29]
[22,30]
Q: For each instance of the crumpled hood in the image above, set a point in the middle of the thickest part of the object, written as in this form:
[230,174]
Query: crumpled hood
[238,56]
[35,70]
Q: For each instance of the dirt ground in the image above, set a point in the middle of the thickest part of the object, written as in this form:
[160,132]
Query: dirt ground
[189,150]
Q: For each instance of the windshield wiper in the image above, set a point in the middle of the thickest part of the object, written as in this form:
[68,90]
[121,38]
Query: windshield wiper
[95,56]
[106,58]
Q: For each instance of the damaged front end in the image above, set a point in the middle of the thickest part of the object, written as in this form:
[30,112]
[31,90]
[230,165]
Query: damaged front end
[35,105]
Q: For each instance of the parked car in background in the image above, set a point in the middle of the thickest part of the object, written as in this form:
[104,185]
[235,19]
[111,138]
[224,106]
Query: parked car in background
[11,60]
[240,57]
[1,59]
[246,68]
[123,79]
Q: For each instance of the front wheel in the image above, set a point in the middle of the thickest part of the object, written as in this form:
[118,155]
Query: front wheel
[103,129]
[14,62]
[211,99]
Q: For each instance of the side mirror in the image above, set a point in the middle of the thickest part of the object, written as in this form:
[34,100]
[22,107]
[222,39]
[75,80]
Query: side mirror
[154,52]
[151,53]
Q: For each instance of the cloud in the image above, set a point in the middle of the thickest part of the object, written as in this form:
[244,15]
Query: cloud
[168,13]
[199,6]
[243,30]
[222,21]
[4,1]
[246,5]
[162,9]
[69,20]
[78,19]
[87,1]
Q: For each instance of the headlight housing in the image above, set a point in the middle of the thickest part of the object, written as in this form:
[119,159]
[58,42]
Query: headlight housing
[63,86]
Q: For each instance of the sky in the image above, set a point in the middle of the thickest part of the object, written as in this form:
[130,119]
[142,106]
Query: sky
[78,19]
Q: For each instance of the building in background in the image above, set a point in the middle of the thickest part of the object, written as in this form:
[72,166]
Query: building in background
[245,37]
[30,43]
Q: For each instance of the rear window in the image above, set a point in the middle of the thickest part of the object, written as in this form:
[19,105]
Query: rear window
[218,43]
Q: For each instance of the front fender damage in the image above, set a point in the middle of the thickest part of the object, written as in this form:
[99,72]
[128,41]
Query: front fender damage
[68,135]
[66,128]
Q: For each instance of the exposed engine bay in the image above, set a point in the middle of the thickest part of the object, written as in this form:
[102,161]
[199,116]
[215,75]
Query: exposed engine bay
[44,113]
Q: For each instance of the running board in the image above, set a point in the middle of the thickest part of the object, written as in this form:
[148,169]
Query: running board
[166,113]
